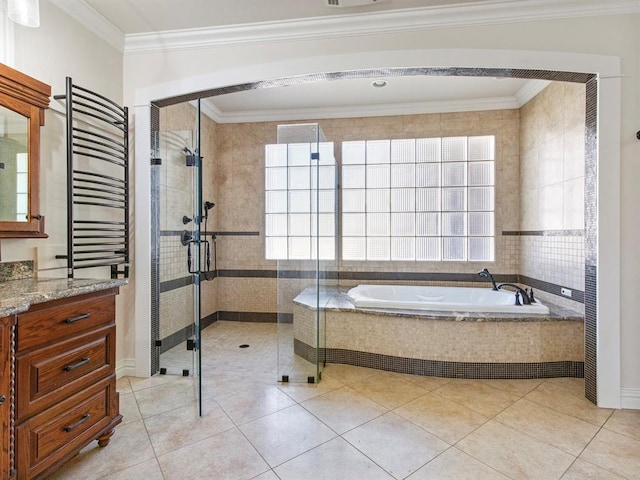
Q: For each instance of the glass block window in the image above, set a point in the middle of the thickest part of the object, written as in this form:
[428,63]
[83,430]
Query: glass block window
[300,201]
[426,199]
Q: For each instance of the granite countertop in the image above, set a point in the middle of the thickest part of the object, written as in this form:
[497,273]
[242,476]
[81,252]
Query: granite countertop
[18,295]
[334,298]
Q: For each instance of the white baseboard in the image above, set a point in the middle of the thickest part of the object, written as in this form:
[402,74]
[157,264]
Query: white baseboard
[630,398]
[126,368]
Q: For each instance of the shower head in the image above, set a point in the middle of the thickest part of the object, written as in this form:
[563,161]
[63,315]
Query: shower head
[484,273]
[208,206]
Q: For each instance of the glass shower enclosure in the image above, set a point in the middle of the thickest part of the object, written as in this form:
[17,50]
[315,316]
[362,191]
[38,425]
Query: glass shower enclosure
[300,233]
[177,212]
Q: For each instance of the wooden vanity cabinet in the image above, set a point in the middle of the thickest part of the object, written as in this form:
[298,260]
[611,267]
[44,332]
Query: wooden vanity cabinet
[65,385]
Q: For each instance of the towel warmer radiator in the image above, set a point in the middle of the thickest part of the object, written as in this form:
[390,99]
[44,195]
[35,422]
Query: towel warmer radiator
[97,182]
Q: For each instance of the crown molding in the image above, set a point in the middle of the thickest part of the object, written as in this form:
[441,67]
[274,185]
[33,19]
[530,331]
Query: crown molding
[83,13]
[530,90]
[482,13]
[210,110]
[348,111]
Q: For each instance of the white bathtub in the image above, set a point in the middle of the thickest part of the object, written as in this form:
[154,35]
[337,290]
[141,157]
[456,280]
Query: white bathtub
[447,299]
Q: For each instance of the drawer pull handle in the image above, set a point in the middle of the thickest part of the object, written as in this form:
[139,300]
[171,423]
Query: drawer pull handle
[3,399]
[73,426]
[75,319]
[79,363]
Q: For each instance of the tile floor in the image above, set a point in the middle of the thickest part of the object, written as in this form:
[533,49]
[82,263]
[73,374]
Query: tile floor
[356,424]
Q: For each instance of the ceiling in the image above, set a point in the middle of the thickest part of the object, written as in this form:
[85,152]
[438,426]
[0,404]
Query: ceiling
[340,98]
[139,16]
[358,97]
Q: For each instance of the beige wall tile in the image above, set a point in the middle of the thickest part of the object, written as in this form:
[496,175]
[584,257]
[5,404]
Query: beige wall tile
[551,198]
[552,151]
[573,194]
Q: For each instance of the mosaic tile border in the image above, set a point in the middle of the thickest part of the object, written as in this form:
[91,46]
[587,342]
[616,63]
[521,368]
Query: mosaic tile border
[576,295]
[177,233]
[380,73]
[444,369]
[545,233]
[175,284]
[259,317]
[155,238]
[591,242]
[176,338]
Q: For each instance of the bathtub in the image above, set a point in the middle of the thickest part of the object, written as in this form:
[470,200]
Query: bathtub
[443,299]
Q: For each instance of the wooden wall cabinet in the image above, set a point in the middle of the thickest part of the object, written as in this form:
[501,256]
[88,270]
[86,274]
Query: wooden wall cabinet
[65,385]
[23,101]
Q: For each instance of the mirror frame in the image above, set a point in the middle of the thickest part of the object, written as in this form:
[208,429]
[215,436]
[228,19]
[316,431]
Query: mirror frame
[28,97]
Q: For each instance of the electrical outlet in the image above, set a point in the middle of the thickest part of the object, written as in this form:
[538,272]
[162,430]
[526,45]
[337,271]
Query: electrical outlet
[566,292]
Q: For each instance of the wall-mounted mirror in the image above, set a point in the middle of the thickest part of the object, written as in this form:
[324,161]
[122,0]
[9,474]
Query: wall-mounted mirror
[14,166]
[22,103]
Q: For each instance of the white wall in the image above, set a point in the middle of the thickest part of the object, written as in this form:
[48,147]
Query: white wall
[61,47]
[612,36]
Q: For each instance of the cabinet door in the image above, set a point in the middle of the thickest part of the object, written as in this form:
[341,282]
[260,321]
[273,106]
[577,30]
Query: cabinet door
[5,401]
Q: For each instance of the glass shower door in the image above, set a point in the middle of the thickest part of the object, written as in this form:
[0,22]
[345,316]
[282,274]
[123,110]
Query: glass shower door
[300,234]
[178,297]
[176,263]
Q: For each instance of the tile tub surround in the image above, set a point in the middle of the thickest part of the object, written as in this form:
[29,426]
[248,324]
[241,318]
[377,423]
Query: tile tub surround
[18,295]
[441,343]
[16,270]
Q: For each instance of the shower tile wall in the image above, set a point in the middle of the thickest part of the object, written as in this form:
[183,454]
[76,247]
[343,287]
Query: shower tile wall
[176,311]
[247,294]
[176,305]
[173,255]
[552,187]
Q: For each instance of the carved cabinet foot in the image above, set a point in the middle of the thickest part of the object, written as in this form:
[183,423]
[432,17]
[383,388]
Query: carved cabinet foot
[103,441]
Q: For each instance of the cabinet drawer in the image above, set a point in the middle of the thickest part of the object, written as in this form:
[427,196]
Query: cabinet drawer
[50,374]
[60,319]
[48,437]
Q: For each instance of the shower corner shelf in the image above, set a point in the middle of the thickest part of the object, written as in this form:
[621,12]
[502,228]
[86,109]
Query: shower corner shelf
[97,136]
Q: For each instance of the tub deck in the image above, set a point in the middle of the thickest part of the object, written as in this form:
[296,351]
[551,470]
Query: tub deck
[334,298]
[448,344]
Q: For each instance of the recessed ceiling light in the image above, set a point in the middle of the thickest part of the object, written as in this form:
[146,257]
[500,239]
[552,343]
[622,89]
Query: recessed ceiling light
[379,83]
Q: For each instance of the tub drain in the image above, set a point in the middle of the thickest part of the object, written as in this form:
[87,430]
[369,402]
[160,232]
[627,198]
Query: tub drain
[244,345]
